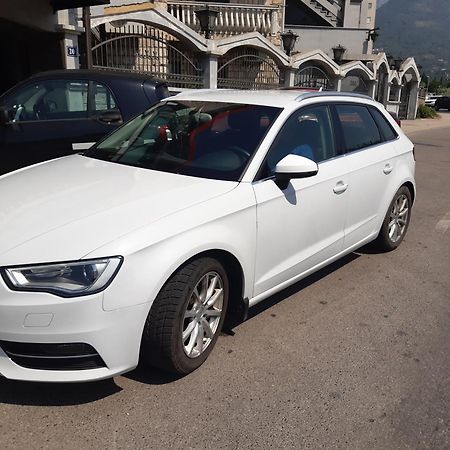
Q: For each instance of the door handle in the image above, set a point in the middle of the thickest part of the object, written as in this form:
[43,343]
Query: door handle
[340,187]
[387,169]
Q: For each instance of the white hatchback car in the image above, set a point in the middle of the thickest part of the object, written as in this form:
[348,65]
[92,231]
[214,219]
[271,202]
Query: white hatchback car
[184,217]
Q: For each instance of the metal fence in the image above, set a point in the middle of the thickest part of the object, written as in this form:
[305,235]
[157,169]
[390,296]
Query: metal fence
[247,68]
[141,48]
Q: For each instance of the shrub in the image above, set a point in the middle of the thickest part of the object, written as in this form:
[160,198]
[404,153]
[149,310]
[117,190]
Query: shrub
[425,112]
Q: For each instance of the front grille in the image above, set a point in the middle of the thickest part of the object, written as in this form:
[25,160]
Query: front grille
[75,356]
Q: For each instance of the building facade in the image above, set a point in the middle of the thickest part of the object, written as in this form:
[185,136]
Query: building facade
[245,50]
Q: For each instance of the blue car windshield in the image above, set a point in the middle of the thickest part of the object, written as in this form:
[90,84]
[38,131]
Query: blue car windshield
[203,139]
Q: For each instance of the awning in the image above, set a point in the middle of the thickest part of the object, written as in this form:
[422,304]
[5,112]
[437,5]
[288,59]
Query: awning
[69,4]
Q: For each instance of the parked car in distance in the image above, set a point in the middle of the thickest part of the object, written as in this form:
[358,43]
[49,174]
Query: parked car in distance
[57,113]
[442,103]
[430,99]
[204,205]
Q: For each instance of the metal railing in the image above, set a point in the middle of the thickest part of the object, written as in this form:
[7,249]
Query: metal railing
[232,18]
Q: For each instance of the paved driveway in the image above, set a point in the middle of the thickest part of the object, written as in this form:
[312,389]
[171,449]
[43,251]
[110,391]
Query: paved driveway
[356,356]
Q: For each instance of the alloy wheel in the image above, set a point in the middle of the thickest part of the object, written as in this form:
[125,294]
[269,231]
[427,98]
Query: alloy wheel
[398,218]
[202,314]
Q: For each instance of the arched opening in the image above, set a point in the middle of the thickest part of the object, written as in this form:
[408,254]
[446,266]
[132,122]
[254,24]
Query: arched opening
[138,47]
[408,96]
[247,68]
[310,75]
[355,81]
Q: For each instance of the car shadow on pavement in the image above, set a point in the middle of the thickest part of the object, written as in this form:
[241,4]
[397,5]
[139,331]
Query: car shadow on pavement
[302,284]
[55,394]
[150,375]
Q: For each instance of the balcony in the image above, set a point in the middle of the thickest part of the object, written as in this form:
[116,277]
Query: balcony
[232,19]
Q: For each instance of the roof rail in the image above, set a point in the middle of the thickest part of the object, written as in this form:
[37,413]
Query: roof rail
[305,95]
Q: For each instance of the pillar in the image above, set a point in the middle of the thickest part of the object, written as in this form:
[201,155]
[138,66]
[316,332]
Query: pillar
[413,100]
[210,66]
[372,84]
[289,76]
[338,83]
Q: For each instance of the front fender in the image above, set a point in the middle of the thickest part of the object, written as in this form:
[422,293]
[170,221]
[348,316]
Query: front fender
[154,253]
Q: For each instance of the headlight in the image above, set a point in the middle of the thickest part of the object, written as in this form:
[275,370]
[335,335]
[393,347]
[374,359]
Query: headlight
[66,279]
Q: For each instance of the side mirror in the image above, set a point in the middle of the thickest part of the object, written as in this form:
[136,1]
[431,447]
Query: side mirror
[4,115]
[294,166]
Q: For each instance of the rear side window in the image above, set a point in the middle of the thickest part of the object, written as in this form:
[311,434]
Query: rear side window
[103,99]
[384,126]
[358,127]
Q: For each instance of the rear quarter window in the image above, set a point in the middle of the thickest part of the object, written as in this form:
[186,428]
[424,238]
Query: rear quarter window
[358,127]
[386,129]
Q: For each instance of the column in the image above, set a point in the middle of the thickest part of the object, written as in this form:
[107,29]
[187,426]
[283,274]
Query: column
[289,76]
[413,100]
[372,84]
[338,83]
[68,25]
[210,66]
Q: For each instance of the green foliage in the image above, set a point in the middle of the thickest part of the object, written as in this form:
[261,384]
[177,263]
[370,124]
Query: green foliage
[425,112]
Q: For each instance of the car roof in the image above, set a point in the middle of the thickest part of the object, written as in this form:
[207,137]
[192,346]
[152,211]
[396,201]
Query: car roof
[98,74]
[273,97]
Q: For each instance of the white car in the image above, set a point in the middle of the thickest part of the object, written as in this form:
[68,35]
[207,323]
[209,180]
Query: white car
[430,100]
[210,202]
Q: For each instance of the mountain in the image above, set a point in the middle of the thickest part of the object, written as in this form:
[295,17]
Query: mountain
[381,3]
[418,28]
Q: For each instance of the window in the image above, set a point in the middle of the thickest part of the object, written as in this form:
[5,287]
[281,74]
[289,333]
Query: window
[49,100]
[203,139]
[358,127]
[307,133]
[384,126]
[103,99]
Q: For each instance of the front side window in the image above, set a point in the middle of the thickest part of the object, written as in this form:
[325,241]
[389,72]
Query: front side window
[49,100]
[204,139]
[307,133]
[358,127]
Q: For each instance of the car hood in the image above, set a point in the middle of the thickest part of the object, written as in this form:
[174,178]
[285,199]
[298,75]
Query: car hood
[66,208]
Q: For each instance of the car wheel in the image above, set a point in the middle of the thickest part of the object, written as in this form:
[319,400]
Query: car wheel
[396,221]
[186,317]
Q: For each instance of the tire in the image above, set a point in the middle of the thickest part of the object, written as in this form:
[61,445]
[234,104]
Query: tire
[396,221]
[181,307]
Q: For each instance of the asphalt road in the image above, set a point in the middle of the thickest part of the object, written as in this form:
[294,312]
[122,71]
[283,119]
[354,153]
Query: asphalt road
[356,356]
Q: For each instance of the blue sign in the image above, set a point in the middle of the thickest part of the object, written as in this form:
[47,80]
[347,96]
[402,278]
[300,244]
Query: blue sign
[72,51]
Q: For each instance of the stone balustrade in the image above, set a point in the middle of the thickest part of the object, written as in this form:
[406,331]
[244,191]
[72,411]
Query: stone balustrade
[232,19]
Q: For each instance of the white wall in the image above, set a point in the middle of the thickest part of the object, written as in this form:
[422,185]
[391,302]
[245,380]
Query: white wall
[324,38]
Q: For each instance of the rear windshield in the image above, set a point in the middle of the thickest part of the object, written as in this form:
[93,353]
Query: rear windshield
[203,139]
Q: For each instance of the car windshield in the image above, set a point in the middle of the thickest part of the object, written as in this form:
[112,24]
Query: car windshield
[203,139]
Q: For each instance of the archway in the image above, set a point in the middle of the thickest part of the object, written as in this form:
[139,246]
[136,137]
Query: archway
[247,68]
[313,76]
[138,47]
[409,94]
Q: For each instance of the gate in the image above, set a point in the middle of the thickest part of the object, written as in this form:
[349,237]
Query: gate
[247,68]
[144,49]
[312,77]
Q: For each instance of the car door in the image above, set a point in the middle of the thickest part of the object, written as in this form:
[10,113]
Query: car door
[49,118]
[371,161]
[302,226]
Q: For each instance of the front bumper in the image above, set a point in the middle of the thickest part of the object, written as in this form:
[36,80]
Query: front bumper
[28,318]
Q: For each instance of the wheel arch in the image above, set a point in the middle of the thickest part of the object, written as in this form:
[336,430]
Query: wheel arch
[411,188]
[237,304]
